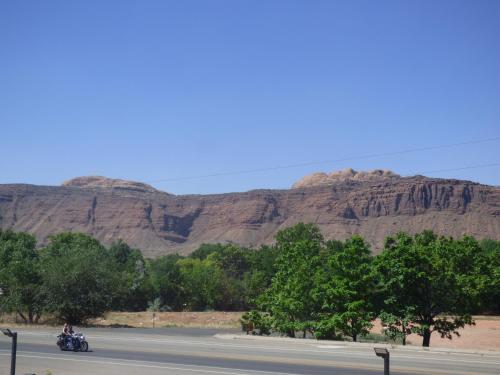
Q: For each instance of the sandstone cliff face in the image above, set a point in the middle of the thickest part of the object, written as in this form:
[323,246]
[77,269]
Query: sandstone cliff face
[160,223]
[100,181]
[321,178]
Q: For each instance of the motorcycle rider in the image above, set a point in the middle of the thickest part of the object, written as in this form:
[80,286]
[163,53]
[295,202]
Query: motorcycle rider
[66,333]
[75,341]
[70,340]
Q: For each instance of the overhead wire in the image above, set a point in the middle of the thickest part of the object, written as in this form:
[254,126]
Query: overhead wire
[458,168]
[332,161]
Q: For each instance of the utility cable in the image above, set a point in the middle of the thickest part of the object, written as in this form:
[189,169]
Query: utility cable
[358,157]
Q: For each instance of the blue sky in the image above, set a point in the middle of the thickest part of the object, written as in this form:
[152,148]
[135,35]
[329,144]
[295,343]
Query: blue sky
[160,90]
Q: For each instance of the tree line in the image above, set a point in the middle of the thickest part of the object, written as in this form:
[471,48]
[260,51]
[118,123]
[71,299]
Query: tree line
[302,284]
[74,277]
[417,284]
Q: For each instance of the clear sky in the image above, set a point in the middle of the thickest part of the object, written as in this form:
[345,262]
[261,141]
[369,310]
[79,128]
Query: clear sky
[161,90]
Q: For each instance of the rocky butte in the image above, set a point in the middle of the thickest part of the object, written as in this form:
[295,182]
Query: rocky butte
[373,204]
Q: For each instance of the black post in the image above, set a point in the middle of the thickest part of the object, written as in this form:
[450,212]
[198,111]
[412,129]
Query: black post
[384,353]
[13,356]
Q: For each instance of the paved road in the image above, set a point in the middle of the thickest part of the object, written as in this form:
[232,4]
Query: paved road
[188,351]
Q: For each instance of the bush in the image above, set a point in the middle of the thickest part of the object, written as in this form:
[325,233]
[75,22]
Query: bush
[255,320]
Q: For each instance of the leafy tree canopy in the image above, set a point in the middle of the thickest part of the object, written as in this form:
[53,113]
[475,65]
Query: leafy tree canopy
[78,278]
[20,275]
[344,289]
[434,282]
[289,300]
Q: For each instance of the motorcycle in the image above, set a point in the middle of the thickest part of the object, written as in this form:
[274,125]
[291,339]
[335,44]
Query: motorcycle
[76,342]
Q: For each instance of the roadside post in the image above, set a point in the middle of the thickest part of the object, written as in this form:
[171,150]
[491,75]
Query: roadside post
[13,335]
[384,353]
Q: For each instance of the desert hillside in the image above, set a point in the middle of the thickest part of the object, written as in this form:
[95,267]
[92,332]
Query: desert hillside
[373,204]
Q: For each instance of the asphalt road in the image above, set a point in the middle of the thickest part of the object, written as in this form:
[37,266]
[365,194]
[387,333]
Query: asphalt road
[194,351]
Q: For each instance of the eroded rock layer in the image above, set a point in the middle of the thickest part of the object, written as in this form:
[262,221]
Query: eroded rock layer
[160,223]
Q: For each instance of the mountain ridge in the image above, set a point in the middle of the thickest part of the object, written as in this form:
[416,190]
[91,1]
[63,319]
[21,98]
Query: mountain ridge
[158,222]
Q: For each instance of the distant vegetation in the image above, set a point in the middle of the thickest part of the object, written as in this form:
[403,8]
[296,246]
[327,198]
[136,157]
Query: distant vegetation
[302,284]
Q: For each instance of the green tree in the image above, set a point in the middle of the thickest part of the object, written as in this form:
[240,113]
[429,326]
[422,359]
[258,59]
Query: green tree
[345,288]
[78,277]
[260,274]
[257,322]
[235,263]
[205,249]
[491,294]
[289,300]
[20,275]
[432,282]
[233,260]
[204,284]
[167,282]
[490,246]
[398,326]
[128,265]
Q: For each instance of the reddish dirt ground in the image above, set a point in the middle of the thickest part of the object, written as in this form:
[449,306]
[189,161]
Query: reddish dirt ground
[485,335]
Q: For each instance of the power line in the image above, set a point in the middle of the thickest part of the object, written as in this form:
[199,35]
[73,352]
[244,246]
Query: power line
[461,168]
[359,157]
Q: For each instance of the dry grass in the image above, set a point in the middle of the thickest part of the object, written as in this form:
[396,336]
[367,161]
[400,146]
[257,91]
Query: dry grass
[216,319]
[14,321]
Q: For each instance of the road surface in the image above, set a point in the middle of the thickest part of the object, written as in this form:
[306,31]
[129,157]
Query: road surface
[194,351]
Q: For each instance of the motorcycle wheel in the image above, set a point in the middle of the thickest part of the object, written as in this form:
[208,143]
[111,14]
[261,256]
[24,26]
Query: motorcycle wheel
[84,346]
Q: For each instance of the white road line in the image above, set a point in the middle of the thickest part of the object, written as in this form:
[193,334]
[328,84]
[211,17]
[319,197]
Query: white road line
[330,347]
[166,366]
[178,367]
[201,343]
[367,354]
